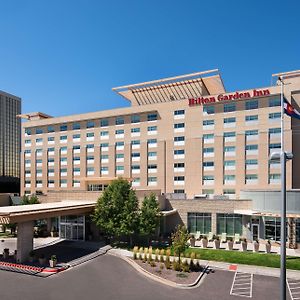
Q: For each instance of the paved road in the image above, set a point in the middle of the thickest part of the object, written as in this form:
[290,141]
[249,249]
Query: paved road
[108,277]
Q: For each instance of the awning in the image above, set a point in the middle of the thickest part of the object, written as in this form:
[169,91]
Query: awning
[263,214]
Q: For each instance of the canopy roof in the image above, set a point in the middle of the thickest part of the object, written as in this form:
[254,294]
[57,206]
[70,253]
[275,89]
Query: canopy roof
[173,88]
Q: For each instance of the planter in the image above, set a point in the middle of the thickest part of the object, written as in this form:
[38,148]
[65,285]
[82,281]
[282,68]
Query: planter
[192,242]
[204,243]
[256,246]
[268,247]
[52,263]
[217,244]
[230,245]
[244,246]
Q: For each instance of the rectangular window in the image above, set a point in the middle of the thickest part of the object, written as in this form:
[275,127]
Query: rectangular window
[229,149]
[251,118]
[104,133]
[274,102]
[229,134]
[120,121]
[252,104]
[229,223]
[119,144]
[76,136]
[135,154]
[251,132]
[135,142]
[90,124]
[274,116]
[152,117]
[274,131]
[208,110]
[229,163]
[199,222]
[179,165]
[63,138]
[39,131]
[208,122]
[179,112]
[90,146]
[178,152]
[63,127]
[135,130]
[152,128]
[178,138]
[251,147]
[135,119]
[104,123]
[178,125]
[229,107]
[50,129]
[76,126]
[119,131]
[152,154]
[90,134]
[229,120]
[152,141]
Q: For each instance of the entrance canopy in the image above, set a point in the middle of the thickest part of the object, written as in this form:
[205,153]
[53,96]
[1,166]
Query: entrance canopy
[262,214]
[24,213]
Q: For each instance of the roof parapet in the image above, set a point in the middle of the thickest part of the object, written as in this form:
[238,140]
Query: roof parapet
[34,116]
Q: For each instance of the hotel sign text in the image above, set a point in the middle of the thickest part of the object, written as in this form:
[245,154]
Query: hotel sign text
[227,97]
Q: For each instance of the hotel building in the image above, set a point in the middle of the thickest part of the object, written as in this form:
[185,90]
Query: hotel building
[10,143]
[204,151]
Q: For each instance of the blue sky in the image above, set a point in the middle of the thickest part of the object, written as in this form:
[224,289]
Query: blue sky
[64,56]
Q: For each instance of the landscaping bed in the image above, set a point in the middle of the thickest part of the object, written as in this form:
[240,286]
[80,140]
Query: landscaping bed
[169,274]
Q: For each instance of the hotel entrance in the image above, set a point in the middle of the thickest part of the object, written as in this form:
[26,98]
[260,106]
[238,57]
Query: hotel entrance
[72,227]
[255,229]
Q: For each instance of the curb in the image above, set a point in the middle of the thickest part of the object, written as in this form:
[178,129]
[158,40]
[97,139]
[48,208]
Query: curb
[161,280]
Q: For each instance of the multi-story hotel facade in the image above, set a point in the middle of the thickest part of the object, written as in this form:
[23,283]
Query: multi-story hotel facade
[10,143]
[204,151]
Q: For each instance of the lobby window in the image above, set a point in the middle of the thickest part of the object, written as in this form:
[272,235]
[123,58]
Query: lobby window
[63,127]
[199,222]
[298,230]
[274,116]
[135,119]
[179,112]
[229,223]
[135,130]
[90,124]
[229,107]
[274,102]
[50,129]
[152,117]
[252,104]
[178,125]
[251,118]
[76,126]
[104,123]
[272,228]
[39,131]
[120,121]
[208,110]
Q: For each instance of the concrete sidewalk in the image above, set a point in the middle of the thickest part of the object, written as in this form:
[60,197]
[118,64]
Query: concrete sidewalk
[257,270]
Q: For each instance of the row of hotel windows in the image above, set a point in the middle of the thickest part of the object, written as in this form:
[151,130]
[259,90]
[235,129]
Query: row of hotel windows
[228,136]
[229,107]
[233,224]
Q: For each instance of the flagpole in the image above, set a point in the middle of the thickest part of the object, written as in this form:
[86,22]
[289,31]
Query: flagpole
[283,203]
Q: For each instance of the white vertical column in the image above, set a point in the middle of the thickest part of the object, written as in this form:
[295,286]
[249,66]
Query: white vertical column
[24,240]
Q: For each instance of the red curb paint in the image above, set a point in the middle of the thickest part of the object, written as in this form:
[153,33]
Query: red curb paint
[232,268]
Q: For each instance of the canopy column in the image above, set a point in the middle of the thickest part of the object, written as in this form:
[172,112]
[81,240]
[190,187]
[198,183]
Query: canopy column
[24,240]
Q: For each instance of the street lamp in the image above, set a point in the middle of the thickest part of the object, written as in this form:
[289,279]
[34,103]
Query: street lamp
[282,157]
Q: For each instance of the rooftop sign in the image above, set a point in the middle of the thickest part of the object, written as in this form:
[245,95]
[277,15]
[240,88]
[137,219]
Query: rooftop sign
[228,97]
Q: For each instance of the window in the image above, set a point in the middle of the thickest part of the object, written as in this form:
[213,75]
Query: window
[63,159]
[208,138]
[229,223]
[152,141]
[229,178]
[274,178]
[208,191]
[39,131]
[229,164]
[104,170]
[199,222]
[152,180]
[120,121]
[274,102]
[251,147]
[274,116]
[152,167]
[152,117]
[178,178]
[104,123]
[119,131]
[180,191]
[105,156]
[50,149]
[251,132]
[178,165]
[135,154]
[229,107]
[209,150]
[90,124]
[208,110]
[152,154]
[76,136]
[178,125]
[63,127]
[229,149]
[90,146]
[119,168]
[229,134]
[104,145]
[228,192]
[152,128]
[50,129]
[209,164]
[135,142]
[274,131]
[179,112]
[208,122]
[135,130]
[178,138]
[252,104]
[76,158]
[27,142]
[135,119]
[275,146]
[90,134]
[251,162]
[272,228]
[119,144]
[76,147]
[251,178]
[104,133]
[251,118]
[178,152]
[76,126]
[63,138]
[208,178]
[135,167]
[27,131]
[229,120]
[118,156]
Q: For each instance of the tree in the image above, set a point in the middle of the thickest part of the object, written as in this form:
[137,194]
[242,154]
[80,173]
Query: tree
[149,215]
[179,240]
[116,211]
[32,200]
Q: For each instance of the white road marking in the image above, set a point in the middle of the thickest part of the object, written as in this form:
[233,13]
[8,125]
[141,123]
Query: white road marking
[242,285]
[294,288]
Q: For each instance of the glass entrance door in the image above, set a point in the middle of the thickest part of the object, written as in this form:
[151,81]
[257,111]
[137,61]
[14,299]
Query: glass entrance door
[72,227]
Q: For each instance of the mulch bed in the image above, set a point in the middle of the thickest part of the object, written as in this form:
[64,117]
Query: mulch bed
[175,276]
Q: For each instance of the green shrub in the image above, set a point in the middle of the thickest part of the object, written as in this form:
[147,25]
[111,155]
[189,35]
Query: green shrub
[176,266]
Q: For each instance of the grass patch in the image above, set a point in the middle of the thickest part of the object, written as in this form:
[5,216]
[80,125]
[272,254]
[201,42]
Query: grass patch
[246,258]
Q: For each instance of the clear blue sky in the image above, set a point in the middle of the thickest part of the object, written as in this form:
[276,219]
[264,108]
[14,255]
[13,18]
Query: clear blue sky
[64,56]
